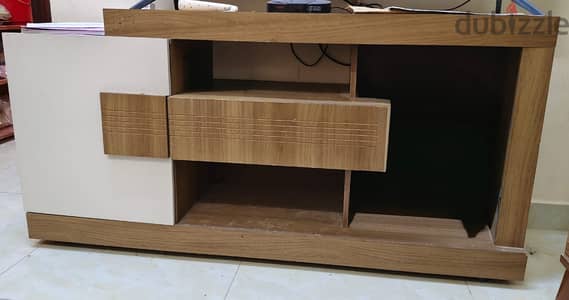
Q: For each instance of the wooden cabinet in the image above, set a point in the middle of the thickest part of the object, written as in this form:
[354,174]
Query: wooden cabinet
[419,156]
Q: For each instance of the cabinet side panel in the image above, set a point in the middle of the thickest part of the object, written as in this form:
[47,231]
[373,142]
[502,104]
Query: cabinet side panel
[523,145]
[55,82]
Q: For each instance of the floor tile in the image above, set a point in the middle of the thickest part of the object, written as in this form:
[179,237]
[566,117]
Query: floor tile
[543,274]
[9,179]
[549,216]
[33,270]
[274,281]
[14,242]
[7,154]
[67,272]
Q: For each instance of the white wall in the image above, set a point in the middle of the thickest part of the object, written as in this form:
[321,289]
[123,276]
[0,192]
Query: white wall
[91,10]
[552,180]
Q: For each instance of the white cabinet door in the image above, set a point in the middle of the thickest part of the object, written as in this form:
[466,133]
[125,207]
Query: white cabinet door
[54,87]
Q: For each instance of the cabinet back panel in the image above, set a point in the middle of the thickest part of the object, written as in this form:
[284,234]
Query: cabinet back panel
[449,122]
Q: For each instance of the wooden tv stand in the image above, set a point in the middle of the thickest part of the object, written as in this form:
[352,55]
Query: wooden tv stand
[200,133]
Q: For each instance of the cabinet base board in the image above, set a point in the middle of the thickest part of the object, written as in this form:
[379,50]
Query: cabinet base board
[420,257]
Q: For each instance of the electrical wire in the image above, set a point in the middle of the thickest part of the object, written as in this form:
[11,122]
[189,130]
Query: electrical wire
[458,6]
[498,6]
[304,62]
[364,4]
[381,6]
[325,52]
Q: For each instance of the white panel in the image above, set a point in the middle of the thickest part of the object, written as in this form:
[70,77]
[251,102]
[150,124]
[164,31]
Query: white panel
[54,87]
[92,10]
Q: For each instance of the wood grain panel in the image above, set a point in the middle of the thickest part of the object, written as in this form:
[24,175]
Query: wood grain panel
[346,201]
[523,145]
[421,257]
[259,128]
[134,125]
[268,197]
[267,207]
[353,71]
[563,292]
[384,29]
[189,180]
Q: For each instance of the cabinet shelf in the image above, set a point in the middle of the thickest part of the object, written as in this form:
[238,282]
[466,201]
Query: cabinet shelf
[284,208]
[259,197]
[258,90]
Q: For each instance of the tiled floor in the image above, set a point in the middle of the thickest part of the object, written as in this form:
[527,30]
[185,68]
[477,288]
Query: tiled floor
[34,270]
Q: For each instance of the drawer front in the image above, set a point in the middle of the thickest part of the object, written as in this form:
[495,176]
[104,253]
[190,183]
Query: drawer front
[300,133]
[134,125]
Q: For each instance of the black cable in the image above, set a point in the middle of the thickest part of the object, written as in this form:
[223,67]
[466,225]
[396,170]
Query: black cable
[330,57]
[357,3]
[458,6]
[498,6]
[141,4]
[323,53]
[381,6]
[302,61]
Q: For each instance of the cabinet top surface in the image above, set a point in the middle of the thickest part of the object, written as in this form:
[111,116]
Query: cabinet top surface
[335,28]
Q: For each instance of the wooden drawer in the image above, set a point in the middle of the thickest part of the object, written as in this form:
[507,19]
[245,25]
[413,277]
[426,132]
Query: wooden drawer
[134,125]
[268,128]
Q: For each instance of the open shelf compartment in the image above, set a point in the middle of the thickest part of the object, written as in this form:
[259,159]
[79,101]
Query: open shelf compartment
[211,65]
[448,132]
[230,105]
[259,197]
[299,200]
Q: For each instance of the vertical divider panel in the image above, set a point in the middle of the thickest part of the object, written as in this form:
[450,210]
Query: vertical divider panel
[353,71]
[346,201]
[189,180]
